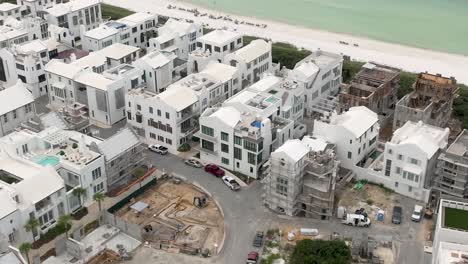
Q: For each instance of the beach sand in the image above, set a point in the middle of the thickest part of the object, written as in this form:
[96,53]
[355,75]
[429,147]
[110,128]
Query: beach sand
[404,57]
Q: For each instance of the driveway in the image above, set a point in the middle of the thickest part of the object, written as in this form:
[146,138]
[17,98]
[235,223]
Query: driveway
[245,213]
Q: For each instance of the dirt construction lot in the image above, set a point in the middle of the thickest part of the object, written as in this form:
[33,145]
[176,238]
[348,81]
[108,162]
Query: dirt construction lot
[372,198]
[173,222]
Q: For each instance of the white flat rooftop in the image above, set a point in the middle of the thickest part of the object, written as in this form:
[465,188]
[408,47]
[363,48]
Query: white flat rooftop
[229,115]
[94,80]
[268,82]
[136,18]
[252,51]
[178,97]
[5,7]
[101,32]
[219,71]
[14,97]
[220,37]
[118,51]
[72,6]
[66,70]
[33,46]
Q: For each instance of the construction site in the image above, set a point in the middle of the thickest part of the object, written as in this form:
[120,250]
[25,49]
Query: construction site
[178,217]
[374,87]
[430,101]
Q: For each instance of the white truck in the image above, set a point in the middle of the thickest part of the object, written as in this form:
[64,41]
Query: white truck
[356,220]
[417,213]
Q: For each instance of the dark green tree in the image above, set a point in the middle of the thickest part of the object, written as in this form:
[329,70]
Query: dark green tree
[321,252]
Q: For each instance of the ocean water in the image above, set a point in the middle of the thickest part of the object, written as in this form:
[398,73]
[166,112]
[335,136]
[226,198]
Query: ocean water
[431,24]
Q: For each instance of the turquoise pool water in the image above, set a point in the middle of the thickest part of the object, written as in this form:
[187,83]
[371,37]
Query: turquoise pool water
[44,160]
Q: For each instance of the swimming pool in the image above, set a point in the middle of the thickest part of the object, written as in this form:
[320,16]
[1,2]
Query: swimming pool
[44,160]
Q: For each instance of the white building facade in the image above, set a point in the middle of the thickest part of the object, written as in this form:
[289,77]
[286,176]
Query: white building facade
[178,37]
[354,132]
[134,30]
[75,13]
[16,107]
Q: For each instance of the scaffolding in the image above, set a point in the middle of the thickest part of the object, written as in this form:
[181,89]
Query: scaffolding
[306,187]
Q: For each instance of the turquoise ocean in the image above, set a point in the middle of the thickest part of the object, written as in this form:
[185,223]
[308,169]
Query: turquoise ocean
[440,25]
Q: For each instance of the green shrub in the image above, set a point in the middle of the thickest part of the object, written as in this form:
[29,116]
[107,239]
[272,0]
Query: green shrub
[74,145]
[184,147]
[138,172]
[320,251]
[370,201]
[80,213]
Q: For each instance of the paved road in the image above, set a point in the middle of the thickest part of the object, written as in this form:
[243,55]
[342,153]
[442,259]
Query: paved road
[244,214]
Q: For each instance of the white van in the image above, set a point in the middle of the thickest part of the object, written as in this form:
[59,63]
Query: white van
[417,213]
[356,220]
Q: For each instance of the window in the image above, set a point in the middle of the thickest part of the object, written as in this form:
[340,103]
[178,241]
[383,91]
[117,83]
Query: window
[5,118]
[350,154]
[138,107]
[129,115]
[239,40]
[251,158]
[250,145]
[152,135]
[225,161]
[396,184]
[410,189]
[224,148]
[413,161]
[208,145]
[167,115]
[207,131]
[14,114]
[237,140]
[96,173]
[237,153]
[398,170]
[159,112]
[151,110]
[389,151]
[217,49]
[46,218]
[19,66]
[135,29]
[400,157]
[388,167]
[28,108]
[169,141]
[161,138]
[224,136]
[282,186]
[98,187]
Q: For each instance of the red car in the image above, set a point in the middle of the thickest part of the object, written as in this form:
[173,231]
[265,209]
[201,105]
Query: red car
[252,257]
[215,170]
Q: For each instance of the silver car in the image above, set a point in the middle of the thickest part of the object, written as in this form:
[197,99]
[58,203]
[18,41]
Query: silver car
[194,163]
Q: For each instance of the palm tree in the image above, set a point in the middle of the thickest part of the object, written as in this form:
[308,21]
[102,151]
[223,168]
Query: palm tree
[31,226]
[99,197]
[79,192]
[65,221]
[24,249]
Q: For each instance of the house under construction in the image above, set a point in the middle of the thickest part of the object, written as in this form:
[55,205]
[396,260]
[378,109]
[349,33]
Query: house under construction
[374,87]
[431,101]
[302,178]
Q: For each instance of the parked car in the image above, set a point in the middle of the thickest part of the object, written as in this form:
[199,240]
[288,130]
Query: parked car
[356,220]
[215,170]
[258,240]
[417,213]
[252,257]
[158,149]
[194,163]
[396,216]
[231,183]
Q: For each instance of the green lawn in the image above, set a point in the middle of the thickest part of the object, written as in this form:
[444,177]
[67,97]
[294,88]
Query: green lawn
[8,1]
[456,218]
[114,12]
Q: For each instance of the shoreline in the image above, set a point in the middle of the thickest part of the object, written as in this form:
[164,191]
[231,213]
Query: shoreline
[397,55]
